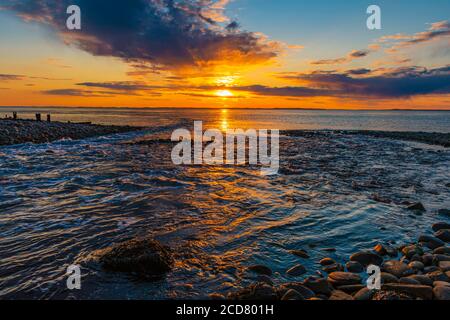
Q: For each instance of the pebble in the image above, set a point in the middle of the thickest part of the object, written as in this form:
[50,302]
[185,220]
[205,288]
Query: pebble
[327,262]
[296,271]
[410,251]
[292,295]
[438,276]
[319,286]
[343,278]
[395,268]
[416,265]
[442,293]
[366,258]
[444,266]
[440,225]
[441,283]
[333,268]
[442,250]
[355,267]
[351,289]
[431,242]
[419,291]
[300,253]
[443,234]
[340,296]
[299,287]
[260,269]
[364,294]
[388,278]
[408,281]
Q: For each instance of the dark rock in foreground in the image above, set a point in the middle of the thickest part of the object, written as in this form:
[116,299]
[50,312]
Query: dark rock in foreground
[23,131]
[144,257]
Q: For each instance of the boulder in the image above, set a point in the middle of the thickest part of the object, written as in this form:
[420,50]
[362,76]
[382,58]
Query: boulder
[418,291]
[367,258]
[300,253]
[418,207]
[144,257]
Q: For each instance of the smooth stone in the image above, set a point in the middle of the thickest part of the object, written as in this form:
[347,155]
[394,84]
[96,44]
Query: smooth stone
[440,257]
[367,258]
[443,235]
[396,268]
[430,269]
[355,267]
[440,226]
[260,269]
[364,294]
[296,271]
[333,268]
[431,241]
[410,251]
[299,287]
[300,253]
[338,295]
[144,256]
[388,278]
[416,265]
[343,278]
[319,286]
[292,295]
[417,207]
[416,257]
[380,249]
[442,293]
[257,291]
[351,289]
[438,276]
[408,281]
[427,259]
[216,296]
[442,250]
[265,279]
[441,283]
[444,266]
[424,280]
[444,212]
[419,291]
[327,262]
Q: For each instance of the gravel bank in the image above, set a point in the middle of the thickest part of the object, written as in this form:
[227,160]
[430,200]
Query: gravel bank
[23,131]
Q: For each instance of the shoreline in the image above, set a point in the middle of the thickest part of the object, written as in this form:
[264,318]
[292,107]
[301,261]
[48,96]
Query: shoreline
[13,132]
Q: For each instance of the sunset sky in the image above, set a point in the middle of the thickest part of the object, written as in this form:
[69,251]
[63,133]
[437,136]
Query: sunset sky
[226,53]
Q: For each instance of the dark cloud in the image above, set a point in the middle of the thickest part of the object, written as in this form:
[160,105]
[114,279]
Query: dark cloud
[397,83]
[172,33]
[119,85]
[10,77]
[78,93]
[352,55]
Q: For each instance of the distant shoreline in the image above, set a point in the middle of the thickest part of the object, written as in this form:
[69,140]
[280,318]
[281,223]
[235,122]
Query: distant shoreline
[219,108]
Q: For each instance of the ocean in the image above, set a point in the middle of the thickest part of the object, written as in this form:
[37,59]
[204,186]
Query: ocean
[61,201]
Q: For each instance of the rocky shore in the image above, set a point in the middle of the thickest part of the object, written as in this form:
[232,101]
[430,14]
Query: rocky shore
[23,131]
[432,138]
[416,271]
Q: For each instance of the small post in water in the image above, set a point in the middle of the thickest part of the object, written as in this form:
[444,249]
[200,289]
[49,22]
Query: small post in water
[49,118]
[38,117]
[15,115]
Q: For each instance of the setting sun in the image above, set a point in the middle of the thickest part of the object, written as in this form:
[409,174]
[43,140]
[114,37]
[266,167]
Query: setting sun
[224,93]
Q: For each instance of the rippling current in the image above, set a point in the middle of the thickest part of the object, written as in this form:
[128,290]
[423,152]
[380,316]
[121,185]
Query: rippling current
[61,201]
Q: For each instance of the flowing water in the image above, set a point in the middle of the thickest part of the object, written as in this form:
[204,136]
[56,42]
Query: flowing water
[61,201]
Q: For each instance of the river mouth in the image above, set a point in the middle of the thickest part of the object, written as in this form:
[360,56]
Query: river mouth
[64,200]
